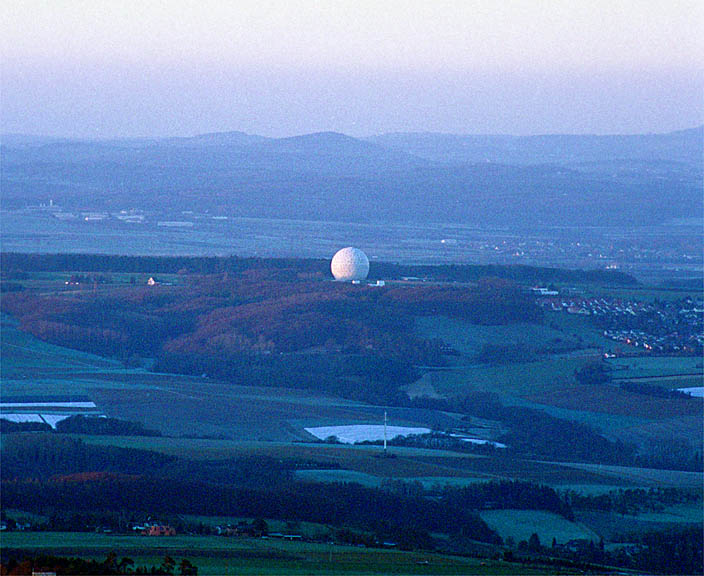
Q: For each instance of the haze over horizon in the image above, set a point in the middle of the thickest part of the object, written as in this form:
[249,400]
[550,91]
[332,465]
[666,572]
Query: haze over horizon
[151,69]
[370,136]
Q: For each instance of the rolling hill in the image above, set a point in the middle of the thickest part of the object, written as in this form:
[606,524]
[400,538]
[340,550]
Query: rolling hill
[495,180]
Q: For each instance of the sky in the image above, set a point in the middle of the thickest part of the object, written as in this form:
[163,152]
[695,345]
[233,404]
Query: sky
[124,68]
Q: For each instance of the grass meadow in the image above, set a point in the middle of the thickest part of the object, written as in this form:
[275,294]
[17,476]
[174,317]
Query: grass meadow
[520,524]
[468,339]
[657,367]
[610,525]
[220,556]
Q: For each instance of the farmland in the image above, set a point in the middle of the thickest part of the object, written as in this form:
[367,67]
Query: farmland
[291,409]
[546,381]
[510,381]
[520,524]
[429,466]
[468,339]
[655,368]
[610,526]
[218,556]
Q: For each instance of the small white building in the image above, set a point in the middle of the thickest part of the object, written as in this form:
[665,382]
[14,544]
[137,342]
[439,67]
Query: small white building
[540,291]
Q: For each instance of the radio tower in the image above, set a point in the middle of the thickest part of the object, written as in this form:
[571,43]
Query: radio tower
[384,432]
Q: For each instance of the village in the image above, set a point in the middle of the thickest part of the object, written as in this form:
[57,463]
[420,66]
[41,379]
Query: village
[667,327]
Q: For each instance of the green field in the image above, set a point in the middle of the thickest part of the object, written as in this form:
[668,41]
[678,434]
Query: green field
[219,556]
[26,358]
[548,383]
[468,339]
[520,524]
[341,475]
[685,513]
[646,476]
[338,475]
[579,328]
[657,366]
[511,381]
[609,525]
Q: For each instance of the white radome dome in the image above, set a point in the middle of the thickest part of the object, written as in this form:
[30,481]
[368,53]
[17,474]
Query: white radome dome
[349,264]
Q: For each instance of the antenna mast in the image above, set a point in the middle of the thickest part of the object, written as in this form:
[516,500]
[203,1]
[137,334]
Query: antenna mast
[384,432]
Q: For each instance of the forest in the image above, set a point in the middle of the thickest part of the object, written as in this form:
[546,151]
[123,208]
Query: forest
[269,326]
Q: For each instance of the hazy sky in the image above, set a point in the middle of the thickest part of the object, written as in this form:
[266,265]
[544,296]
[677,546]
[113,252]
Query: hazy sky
[176,67]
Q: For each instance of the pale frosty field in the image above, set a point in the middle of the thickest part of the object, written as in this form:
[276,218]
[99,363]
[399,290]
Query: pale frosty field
[21,405]
[363,432]
[22,417]
[50,419]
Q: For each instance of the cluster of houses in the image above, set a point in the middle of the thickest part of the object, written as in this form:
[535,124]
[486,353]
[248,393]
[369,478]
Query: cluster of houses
[154,529]
[244,529]
[671,343]
[588,306]
[669,327]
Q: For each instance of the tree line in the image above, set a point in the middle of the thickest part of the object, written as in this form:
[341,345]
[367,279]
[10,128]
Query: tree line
[22,565]
[12,262]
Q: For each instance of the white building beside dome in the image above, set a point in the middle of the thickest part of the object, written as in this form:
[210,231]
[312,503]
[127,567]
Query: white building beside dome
[350,265]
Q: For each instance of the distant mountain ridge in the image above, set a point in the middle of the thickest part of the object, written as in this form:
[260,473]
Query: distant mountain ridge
[680,146]
[483,180]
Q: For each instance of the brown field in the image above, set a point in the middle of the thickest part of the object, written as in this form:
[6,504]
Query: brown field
[613,400]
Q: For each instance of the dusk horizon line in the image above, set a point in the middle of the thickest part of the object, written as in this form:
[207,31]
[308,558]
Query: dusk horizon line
[44,135]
